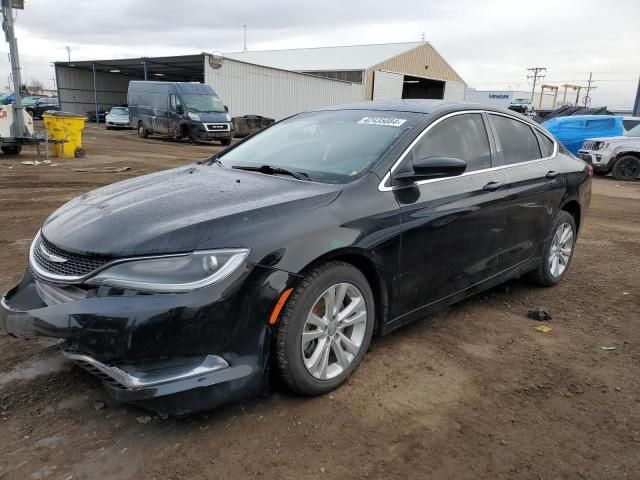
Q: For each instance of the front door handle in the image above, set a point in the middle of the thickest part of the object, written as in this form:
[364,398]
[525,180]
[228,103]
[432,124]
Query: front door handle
[493,186]
[552,174]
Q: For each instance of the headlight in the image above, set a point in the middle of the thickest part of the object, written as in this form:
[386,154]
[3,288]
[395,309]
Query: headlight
[597,145]
[228,117]
[194,116]
[176,273]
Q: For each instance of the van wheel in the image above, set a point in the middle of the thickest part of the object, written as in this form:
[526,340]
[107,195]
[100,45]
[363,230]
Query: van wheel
[12,150]
[142,132]
[225,141]
[626,168]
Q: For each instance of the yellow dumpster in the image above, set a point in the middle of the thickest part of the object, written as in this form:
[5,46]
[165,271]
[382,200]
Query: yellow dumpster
[67,129]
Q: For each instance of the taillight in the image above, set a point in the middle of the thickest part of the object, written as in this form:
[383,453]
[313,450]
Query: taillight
[590,167]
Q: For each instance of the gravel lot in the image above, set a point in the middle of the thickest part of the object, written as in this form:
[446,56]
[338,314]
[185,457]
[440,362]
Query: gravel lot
[473,393]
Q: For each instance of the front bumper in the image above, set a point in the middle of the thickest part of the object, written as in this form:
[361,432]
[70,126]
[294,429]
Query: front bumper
[117,124]
[176,353]
[600,160]
[209,131]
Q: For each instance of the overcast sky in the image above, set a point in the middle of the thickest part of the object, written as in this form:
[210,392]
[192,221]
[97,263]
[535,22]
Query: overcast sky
[490,43]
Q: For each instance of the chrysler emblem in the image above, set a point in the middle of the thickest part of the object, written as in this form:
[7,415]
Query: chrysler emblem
[52,257]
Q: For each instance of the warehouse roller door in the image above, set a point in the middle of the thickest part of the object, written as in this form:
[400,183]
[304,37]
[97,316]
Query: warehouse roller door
[387,85]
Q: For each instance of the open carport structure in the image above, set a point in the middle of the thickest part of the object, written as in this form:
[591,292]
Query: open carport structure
[247,89]
[95,84]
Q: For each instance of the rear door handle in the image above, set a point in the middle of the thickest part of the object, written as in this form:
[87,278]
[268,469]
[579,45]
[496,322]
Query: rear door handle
[552,174]
[493,186]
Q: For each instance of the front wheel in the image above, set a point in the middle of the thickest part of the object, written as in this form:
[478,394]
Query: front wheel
[142,132]
[558,251]
[626,168]
[11,150]
[225,142]
[325,329]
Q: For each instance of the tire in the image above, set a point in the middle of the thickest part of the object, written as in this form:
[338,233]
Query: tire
[626,168]
[11,150]
[549,273]
[225,142]
[352,340]
[600,173]
[142,132]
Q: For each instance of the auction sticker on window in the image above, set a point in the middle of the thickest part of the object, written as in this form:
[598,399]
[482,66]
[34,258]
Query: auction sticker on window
[384,121]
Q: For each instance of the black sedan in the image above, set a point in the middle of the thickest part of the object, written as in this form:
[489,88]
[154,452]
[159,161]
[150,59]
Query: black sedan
[289,250]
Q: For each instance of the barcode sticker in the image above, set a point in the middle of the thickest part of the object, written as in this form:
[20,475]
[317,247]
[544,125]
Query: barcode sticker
[384,121]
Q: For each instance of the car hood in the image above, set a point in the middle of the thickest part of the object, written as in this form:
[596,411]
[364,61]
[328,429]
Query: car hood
[177,210]
[609,139]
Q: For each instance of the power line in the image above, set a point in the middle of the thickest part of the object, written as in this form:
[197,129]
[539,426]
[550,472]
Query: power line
[537,73]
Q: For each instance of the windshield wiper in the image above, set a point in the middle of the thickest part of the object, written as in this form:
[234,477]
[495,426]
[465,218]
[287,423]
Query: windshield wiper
[270,170]
[212,160]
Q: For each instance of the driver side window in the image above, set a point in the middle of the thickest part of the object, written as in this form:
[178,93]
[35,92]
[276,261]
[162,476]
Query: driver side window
[462,136]
[174,102]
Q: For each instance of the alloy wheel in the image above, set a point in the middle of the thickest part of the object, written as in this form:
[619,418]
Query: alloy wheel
[629,168]
[561,248]
[334,331]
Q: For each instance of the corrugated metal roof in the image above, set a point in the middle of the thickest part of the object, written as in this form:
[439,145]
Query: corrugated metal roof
[352,57]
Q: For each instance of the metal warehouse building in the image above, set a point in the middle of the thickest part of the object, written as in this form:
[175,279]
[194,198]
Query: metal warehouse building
[274,83]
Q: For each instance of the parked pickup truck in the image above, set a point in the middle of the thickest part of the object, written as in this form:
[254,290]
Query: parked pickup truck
[618,155]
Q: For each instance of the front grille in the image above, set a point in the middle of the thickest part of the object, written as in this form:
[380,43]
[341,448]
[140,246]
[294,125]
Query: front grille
[75,265]
[589,145]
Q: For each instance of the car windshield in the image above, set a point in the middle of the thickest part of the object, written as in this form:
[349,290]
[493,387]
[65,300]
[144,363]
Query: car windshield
[519,101]
[327,146]
[119,111]
[634,132]
[200,103]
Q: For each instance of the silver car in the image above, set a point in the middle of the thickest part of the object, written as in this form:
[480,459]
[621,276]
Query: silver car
[118,117]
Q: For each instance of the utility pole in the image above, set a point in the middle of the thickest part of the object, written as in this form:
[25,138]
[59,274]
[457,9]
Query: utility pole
[68,53]
[20,131]
[536,73]
[587,99]
[423,37]
[244,28]
[636,105]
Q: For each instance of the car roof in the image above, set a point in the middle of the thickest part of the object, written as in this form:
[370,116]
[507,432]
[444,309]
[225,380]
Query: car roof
[426,107]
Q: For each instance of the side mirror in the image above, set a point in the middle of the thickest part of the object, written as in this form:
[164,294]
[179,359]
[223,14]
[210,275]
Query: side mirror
[179,110]
[434,167]
[226,109]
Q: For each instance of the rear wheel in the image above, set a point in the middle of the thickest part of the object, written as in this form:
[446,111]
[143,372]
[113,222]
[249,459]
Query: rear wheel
[142,132]
[626,168]
[325,329]
[11,150]
[558,251]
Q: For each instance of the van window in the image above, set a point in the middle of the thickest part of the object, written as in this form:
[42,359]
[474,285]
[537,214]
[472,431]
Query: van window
[175,102]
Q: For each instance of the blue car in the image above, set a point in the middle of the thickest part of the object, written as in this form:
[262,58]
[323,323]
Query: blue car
[572,131]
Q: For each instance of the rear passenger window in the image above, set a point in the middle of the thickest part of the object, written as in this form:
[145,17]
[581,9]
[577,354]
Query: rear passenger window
[461,136]
[517,140]
[546,145]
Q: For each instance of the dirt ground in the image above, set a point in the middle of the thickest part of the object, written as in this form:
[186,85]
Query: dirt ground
[474,393]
